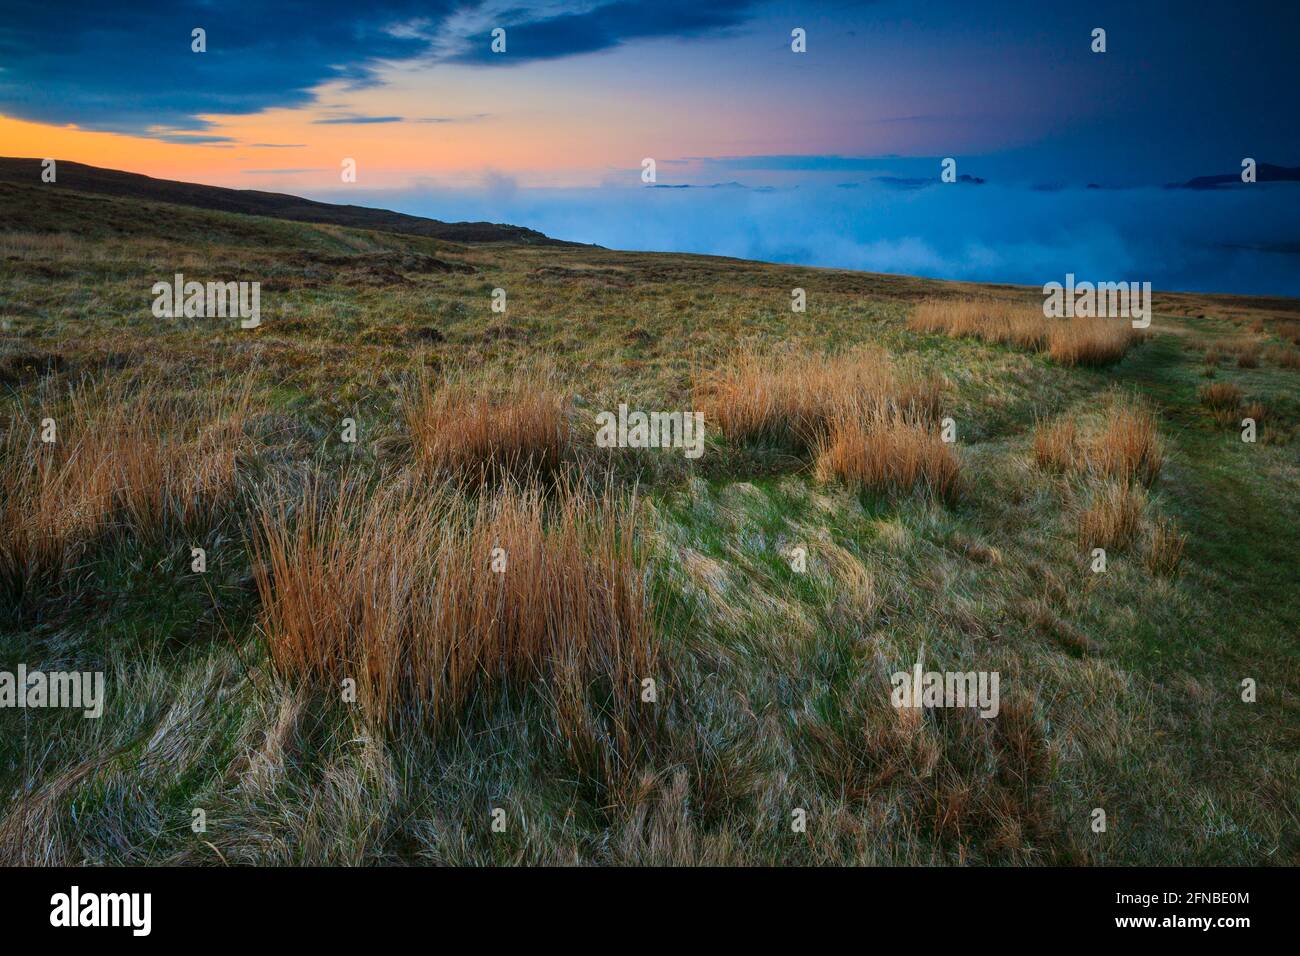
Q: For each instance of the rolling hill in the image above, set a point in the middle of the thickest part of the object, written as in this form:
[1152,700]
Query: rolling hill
[366,586]
[253,202]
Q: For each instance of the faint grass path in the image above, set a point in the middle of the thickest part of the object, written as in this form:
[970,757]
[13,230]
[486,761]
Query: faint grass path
[1238,501]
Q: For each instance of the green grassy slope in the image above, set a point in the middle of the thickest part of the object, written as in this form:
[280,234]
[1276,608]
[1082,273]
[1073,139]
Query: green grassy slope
[1120,691]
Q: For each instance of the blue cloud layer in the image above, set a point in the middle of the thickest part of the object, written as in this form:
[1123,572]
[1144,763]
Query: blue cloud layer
[1243,241]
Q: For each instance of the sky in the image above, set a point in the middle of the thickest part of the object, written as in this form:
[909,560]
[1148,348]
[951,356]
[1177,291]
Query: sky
[845,139]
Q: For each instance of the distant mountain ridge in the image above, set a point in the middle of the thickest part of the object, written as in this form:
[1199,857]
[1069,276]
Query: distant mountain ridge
[255,202]
[1264,173]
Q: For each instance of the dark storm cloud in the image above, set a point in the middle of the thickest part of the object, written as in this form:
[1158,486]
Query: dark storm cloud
[604,27]
[128,67]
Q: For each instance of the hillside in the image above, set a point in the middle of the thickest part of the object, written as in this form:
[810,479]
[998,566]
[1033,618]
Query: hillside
[392,639]
[1265,173]
[253,202]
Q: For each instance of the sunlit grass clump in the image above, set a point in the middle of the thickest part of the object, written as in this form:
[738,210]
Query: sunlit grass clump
[428,599]
[863,421]
[476,435]
[1057,445]
[888,454]
[1086,341]
[1223,400]
[1165,546]
[992,320]
[1124,446]
[794,398]
[1089,341]
[130,457]
[1128,447]
[1112,519]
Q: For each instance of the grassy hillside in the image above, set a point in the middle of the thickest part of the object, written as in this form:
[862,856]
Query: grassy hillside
[352,681]
[255,202]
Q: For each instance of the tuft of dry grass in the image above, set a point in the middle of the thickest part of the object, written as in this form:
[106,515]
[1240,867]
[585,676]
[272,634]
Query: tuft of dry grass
[1246,351]
[921,398]
[1128,448]
[404,590]
[865,423]
[1256,410]
[792,399]
[127,457]
[469,435]
[1222,399]
[1113,517]
[1165,547]
[888,454]
[1089,341]
[1069,342]
[1057,445]
[1241,343]
[993,320]
[1284,357]
[1221,395]
[1289,330]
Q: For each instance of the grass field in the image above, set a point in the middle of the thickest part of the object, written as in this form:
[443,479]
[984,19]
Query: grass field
[354,679]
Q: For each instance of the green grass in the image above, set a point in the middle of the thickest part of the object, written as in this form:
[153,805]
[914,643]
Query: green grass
[1120,690]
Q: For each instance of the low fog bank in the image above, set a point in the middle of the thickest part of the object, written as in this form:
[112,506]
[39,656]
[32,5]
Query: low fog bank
[1239,239]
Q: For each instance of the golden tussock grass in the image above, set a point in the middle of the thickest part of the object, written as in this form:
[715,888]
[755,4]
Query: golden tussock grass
[888,454]
[126,458]
[1289,330]
[792,398]
[1256,410]
[1070,342]
[398,590]
[992,320]
[1284,357]
[1221,396]
[1113,517]
[1126,446]
[1057,445]
[1223,399]
[474,436]
[1089,341]
[1165,547]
